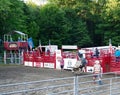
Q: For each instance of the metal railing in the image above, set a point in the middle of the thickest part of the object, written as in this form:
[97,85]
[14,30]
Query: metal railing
[13,58]
[76,85]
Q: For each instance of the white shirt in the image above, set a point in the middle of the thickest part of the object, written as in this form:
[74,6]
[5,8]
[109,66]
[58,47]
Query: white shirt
[97,68]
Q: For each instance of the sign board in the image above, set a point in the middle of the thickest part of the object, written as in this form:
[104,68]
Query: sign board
[90,69]
[13,45]
[69,63]
[49,65]
[52,48]
[69,47]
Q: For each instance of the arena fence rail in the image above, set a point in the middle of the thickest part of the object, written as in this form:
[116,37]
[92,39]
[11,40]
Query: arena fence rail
[76,85]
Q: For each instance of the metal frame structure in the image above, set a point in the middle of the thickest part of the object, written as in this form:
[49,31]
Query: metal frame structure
[106,58]
[14,48]
[77,85]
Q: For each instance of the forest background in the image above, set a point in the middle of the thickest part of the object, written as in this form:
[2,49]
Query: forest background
[85,23]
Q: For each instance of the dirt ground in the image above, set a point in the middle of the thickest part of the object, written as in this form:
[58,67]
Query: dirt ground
[20,73]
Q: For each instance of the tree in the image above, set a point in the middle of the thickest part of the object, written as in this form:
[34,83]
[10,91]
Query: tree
[52,24]
[11,16]
[32,27]
[76,15]
[111,22]
[76,22]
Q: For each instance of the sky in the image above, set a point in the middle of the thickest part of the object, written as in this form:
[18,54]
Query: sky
[37,2]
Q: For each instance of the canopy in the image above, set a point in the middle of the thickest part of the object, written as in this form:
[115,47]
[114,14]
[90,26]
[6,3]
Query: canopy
[9,35]
[20,33]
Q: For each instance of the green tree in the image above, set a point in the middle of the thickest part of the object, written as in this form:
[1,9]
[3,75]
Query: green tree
[111,21]
[11,16]
[77,33]
[76,22]
[76,15]
[32,27]
[52,25]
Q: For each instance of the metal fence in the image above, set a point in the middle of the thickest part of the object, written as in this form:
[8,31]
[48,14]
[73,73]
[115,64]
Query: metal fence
[13,58]
[76,85]
[1,58]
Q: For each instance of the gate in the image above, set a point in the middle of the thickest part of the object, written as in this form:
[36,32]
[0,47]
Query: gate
[13,57]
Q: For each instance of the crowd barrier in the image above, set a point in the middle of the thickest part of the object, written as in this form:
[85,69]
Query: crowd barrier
[34,59]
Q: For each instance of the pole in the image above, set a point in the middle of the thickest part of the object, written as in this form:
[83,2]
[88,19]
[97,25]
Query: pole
[4,57]
[76,85]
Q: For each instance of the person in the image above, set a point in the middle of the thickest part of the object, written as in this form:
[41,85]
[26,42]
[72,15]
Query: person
[96,53]
[84,63]
[117,55]
[81,53]
[48,51]
[97,72]
[62,63]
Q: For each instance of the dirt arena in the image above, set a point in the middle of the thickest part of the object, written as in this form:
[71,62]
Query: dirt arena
[20,73]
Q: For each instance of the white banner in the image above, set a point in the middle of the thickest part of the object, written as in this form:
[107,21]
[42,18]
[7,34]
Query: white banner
[69,63]
[49,65]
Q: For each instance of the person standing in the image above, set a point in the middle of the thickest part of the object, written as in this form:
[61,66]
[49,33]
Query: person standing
[97,72]
[84,63]
[117,55]
[62,64]
[96,52]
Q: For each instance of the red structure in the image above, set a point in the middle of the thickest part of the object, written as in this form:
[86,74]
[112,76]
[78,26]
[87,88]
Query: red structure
[15,43]
[40,58]
[107,59]
[19,43]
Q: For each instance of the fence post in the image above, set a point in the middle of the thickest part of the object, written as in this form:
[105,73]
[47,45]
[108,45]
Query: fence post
[19,57]
[76,85]
[110,86]
[11,57]
[15,57]
[4,57]
[25,88]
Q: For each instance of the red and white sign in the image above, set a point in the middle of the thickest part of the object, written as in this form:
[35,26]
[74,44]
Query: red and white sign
[49,65]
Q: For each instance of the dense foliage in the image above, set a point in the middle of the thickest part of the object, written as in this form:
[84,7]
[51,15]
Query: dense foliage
[72,22]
